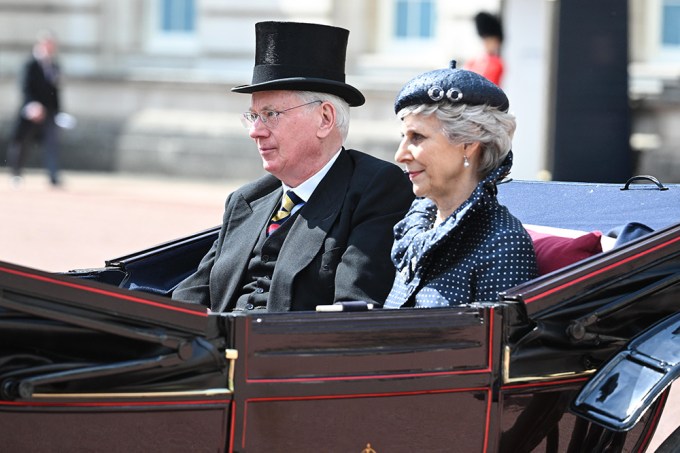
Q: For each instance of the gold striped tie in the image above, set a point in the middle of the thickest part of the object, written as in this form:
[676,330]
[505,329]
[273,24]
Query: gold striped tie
[290,200]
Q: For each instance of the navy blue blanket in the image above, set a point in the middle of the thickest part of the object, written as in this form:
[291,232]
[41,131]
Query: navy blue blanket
[590,207]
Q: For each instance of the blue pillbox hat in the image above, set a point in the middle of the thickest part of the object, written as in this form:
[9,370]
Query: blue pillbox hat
[457,86]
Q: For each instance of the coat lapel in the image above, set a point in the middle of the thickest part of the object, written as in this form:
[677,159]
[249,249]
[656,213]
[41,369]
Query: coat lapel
[306,236]
[246,221]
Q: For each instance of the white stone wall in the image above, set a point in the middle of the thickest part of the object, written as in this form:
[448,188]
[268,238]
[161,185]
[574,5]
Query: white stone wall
[117,70]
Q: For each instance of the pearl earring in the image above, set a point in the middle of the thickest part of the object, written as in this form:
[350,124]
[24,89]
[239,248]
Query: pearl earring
[466,162]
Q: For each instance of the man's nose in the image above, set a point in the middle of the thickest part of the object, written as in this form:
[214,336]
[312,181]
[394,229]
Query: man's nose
[258,129]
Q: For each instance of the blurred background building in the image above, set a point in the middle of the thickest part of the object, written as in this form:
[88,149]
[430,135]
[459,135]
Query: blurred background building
[595,85]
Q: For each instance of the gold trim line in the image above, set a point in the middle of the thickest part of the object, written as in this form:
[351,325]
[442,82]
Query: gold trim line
[528,379]
[208,392]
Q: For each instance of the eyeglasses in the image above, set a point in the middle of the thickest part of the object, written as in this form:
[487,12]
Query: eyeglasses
[270,118]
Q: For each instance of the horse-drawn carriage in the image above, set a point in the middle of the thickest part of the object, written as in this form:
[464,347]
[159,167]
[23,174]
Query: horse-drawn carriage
[580,359]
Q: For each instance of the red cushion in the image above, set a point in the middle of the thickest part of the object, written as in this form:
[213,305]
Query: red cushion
[554,252]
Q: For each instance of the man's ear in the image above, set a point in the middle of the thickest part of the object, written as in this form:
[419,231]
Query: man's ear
[327,120]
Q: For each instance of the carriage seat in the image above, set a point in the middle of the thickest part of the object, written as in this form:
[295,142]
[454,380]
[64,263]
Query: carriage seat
[559,247]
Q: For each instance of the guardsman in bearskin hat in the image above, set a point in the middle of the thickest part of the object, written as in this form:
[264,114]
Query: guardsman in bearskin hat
[490,63]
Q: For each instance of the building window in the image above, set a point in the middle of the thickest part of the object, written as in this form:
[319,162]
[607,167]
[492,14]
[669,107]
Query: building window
[178,16]
[670,24]
[172,26]
[414,19]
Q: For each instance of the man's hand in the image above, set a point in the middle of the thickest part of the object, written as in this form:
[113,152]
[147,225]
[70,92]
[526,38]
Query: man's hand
[34,112]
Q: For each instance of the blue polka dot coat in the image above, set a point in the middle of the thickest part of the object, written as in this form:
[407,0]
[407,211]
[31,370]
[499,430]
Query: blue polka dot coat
[478,251]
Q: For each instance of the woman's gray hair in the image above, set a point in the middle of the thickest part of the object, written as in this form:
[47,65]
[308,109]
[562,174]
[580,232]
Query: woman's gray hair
[341,108]
[462,123]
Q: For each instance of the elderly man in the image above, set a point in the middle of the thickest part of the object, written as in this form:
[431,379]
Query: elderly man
[318,229]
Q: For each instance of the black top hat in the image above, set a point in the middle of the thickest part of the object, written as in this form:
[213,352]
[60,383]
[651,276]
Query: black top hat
[301,57]
[456,86]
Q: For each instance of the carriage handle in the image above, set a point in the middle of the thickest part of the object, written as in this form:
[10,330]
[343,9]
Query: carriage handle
[644,177]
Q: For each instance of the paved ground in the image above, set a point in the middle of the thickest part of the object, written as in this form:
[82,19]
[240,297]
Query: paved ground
[95,217]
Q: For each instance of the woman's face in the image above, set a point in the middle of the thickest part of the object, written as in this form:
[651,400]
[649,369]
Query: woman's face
[434,165]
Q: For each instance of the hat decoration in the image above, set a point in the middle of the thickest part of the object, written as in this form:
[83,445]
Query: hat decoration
[457,86]
[301,57]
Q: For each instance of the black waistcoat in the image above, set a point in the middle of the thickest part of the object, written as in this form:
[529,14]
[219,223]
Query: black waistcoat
[258,277]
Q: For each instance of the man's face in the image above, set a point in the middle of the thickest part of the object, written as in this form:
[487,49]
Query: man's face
[49,47]
[290,149]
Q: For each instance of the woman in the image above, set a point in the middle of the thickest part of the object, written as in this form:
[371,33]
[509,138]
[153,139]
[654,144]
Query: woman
[457,244]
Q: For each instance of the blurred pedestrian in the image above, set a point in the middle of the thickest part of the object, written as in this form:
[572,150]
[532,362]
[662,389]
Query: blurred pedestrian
[490,63]
[39,108]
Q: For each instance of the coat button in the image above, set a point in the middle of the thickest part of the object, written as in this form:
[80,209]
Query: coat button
[250,306]
[259,290]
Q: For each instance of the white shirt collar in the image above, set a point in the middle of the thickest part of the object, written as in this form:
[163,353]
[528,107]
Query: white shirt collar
[306,189]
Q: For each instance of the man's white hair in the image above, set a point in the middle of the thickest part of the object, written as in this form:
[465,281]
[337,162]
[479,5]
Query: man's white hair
[341,108]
